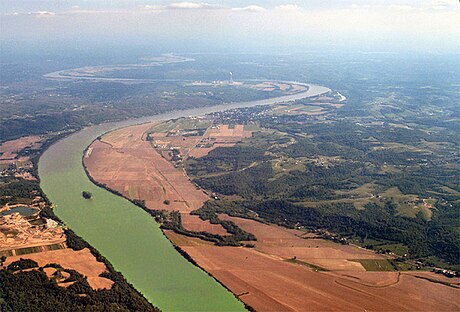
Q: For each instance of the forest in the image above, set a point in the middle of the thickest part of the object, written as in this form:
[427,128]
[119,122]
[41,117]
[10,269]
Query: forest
[363,176]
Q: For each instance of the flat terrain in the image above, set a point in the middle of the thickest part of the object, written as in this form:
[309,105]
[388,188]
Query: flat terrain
[270,284]
[287,244]
[126,162]
[220,136]
[81,261]
[9,149]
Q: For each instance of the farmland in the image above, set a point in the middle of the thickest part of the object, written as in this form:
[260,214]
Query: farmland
[319,172]
[333,269]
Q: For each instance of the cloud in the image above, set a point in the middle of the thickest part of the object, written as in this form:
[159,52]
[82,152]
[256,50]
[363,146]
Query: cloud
[442,4]
[42,13]
[191,6]
[250,8]
[288,7]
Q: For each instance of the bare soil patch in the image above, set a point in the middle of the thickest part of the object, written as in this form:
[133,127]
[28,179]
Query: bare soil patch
[183,240]
[219,136]
[126,162]
[194,223]
[9,149]
[287,244]
[268,284]
[17,233]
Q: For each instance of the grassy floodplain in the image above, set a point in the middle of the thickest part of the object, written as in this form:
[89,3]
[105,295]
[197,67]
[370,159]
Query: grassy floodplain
[126,235]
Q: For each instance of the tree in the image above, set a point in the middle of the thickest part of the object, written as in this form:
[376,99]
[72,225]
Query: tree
[86,194]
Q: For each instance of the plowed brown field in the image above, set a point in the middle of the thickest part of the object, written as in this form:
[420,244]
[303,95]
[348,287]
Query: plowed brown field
[269,284]
[9,149]
[287,244]
[220,136]
[127,163]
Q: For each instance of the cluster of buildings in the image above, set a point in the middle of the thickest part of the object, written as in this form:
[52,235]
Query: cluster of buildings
[447,273]
[17,232]
[22,171]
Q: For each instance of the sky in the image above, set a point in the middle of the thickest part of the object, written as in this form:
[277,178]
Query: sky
[371,25]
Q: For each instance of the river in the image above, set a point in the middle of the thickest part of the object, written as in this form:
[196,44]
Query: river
[125,234]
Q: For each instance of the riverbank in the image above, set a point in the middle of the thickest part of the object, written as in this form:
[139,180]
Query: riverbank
[127,236]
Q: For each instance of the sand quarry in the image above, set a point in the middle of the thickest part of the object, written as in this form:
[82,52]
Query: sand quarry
[262,277]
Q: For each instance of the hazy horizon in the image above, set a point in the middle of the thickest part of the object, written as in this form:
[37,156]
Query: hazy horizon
[232,26]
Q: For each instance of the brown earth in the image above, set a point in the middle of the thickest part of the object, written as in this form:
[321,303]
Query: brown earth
[455,281]
[16,232]
[9,149]
[269,284]
[219,136]
[287,244]
[182,240]
[194,223]
[81,261]
[127,163]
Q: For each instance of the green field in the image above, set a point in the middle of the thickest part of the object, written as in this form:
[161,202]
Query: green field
[182,123]
[376,264]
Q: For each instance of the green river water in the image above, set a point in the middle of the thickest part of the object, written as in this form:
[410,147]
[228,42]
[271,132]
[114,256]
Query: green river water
[125,234]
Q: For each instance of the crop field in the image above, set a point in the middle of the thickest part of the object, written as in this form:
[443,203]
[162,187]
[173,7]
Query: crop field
[376,264]
[291,244]
[127,163]
[269,284]
[249,273]
[220,136]
[9,149]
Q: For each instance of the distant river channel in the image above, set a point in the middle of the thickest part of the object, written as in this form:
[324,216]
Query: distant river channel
[125,234]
